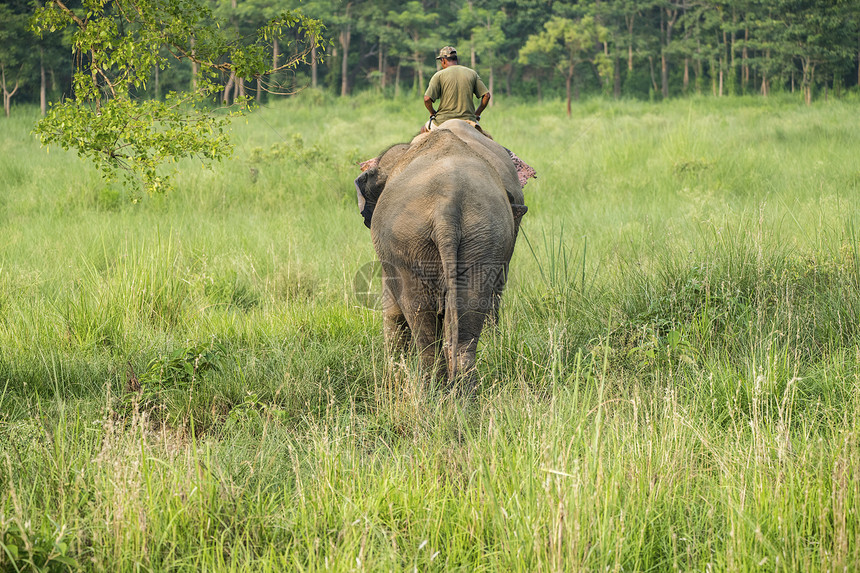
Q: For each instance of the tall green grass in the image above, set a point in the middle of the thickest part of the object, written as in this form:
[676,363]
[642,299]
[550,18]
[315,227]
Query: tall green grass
[188,381]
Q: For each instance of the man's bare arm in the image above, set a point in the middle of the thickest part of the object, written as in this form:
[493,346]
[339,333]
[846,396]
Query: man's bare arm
[428,103]
[485,100]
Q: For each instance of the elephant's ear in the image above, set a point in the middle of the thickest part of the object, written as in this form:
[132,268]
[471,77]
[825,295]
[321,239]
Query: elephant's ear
[518,211]
[368,189]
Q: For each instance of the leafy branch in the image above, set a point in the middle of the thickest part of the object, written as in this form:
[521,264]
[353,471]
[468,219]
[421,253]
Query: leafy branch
[119,42]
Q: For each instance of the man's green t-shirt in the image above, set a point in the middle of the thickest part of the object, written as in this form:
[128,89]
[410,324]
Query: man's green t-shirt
[455,87]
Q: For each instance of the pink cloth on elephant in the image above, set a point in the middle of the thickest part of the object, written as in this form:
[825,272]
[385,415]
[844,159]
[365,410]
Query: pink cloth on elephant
[524,170]
[369,164]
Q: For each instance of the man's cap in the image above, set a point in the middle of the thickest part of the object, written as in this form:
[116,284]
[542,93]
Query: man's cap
[447,52]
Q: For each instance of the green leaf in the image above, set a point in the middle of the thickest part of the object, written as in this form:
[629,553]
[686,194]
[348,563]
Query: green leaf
[66,560]
[12,549]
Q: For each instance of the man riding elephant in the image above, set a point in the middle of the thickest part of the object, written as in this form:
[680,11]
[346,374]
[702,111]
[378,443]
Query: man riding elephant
[454,87]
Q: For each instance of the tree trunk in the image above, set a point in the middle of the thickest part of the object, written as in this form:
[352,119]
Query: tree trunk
[7,95]
[416,64]
[385,71]
[397,77]
[686,74]
[344,65]
[419,69]
[727,47]
[699,70]
[664,74]
[474,58]
[93,74]
[380,68]
[193,65]
[259,96]
[630,20]
[276,56]
[418,58]
[313,66]
[805,81]
[345,37]
[616,88]
[671,17]
[228,88]
[745,61]
[567,87]
[157,84]
[732,68]
[722,67]
[43,85]
[653,79]
[236,81]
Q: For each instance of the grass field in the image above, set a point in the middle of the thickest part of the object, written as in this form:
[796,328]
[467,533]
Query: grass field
[187,382]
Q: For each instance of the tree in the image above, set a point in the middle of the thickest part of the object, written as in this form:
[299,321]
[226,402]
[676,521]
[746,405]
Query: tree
[521,16]
[117,44]
[567,42]
[702,24]
[815,29]
[420,40]
[327,11]
[386,38]
[487,37]
[16,58]
[669,13]
[769,56]
[814,35]
[248,16]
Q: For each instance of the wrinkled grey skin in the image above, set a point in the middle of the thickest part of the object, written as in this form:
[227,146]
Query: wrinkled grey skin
[446,217]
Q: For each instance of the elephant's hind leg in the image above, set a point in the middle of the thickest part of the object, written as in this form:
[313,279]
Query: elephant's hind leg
[397,334]
[425,325]
[396,329]
[420,308]
[469,330]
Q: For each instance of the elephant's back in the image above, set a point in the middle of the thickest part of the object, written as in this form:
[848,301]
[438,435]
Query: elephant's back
[497,156]
[459,196]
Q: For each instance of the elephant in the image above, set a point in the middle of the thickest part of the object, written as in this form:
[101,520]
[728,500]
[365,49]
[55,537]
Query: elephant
[444,212]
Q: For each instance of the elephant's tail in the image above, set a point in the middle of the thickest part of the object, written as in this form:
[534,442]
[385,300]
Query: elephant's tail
[448,250]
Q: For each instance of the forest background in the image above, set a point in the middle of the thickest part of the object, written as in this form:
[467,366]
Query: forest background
[529,48]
